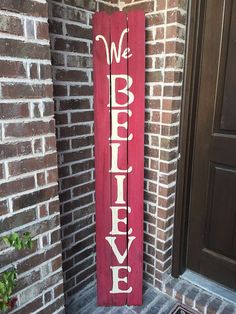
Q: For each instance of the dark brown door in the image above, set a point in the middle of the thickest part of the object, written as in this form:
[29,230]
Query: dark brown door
[212,221]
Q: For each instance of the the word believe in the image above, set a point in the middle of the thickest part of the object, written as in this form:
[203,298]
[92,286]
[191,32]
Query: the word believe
[118,109]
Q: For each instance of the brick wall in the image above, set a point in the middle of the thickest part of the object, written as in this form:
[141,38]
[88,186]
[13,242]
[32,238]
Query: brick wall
[28,163]
[165,38]
[72,73]
[71,47]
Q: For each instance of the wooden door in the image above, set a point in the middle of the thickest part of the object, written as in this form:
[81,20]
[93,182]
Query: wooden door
[212,220]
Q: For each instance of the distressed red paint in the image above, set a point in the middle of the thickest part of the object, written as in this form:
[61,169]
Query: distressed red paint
[119,155]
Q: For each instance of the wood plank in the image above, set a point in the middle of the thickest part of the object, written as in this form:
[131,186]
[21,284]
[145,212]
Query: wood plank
[136,70]
[101,25]
[119,67]
[119,80]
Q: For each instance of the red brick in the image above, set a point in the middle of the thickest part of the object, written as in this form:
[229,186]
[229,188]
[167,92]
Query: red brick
[32,164]
[27,280]
[83,90]
[57,58]
[32,306]
[160,5]
[37,124]
[173,77]
[41,179]
[168,117]
[52,176]
[176,16]
[174,31]
[79,61]
[76,156]
[53,207]
[82,166]
[107,8]
[147,6]
[42,30]
[3,207]
[153,76]
[45,71]
[52,308]
[74,104]
[17,186]
[153,49]
[34,71]
[33,198]
[181,4]
[82,116]
[76,180]
[171,104]
[55,27]
[70,14]
[14,69]
[148,62]
[174,47]
[50,143]
[21,49]
[18,90]
[38,145]
[71,45]
[214,306]
[48,109]
[59,90]
[30,7]
[152,35]
[78,31]
[15,149]
[58,290]
[155,19]
[84,141]
[71,75]
[1,171]
[61,118]
[14,110]
[11,25]
[157,90]
[172,91]
[17,220]
[43,212]
[84,4]
[29,129]
[67,131]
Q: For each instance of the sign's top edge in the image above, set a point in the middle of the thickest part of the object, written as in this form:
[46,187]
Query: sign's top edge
[119,12]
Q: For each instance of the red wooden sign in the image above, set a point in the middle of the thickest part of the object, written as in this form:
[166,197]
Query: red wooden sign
[119,69]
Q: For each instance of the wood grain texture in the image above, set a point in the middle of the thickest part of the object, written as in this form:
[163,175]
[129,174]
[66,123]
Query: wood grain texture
[136,66]
[101,25]
[120,84]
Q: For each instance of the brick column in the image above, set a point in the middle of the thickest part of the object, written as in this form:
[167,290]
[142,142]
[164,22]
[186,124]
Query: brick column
[71,47]
[28,162]
[165,31]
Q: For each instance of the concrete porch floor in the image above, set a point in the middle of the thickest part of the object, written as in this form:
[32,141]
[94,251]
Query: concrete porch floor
[153,302]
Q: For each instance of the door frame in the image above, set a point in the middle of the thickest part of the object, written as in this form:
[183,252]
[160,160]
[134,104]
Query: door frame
[193,48]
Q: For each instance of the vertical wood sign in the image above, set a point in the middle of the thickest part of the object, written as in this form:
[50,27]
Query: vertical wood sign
[119,82]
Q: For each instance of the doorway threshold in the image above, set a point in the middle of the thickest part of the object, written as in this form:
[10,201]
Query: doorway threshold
[209,285]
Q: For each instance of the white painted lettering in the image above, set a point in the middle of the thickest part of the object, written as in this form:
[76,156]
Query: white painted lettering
[117,279]
[116,220]
[113,51]
[116,125]
[129,82]
[114,159]
[120,189]
[119,256]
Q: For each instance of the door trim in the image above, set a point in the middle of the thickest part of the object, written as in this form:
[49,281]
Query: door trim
[195,25]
